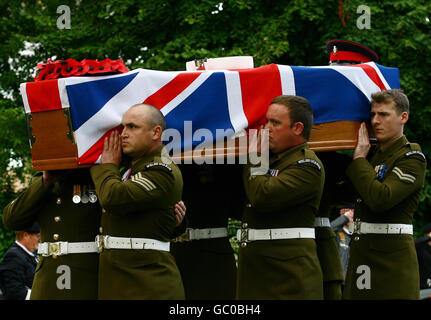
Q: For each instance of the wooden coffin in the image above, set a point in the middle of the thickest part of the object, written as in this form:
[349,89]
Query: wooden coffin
[53,146]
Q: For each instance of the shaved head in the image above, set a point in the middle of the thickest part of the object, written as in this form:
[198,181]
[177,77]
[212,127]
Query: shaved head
[143,125]
[153,116]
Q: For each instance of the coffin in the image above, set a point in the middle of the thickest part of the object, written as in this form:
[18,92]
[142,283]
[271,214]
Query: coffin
[68,118]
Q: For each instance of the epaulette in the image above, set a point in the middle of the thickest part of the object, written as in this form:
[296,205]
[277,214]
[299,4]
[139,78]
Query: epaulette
[150,165]
[413,152]
[308,160]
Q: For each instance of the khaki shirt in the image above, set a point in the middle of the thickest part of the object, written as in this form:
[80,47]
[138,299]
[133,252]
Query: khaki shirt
[72,276]
[389,187]
[140,207]
[287,196]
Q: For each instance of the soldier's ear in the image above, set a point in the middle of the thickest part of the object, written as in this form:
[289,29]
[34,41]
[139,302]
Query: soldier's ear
[157,132]
[298,127]
[404,117]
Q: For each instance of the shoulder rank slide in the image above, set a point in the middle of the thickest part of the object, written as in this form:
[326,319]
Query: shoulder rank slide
[150,165]
[415,152]
[310,161]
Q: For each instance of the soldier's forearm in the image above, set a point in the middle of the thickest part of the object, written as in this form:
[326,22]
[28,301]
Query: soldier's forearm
[25,208]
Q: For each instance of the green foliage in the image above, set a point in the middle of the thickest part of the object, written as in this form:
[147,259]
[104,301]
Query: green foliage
[164,34]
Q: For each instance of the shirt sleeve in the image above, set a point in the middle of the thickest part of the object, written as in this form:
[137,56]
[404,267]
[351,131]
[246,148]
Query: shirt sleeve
[296,184]
[145,189]
[406,177]
[25,208]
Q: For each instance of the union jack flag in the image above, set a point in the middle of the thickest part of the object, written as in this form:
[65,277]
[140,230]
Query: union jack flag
[216,99]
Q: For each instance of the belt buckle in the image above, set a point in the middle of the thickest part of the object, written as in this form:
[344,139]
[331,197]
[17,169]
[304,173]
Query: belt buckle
[55,249]
[244,235]
[357,226]
[100,243]
[184,237]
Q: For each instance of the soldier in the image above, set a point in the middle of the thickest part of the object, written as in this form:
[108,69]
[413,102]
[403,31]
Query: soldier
[65,206]
[337,190]
[137,217]
[383,262]
[277,256]
[204,254]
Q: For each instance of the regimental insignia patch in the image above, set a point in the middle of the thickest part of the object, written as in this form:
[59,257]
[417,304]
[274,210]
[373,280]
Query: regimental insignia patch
[380,171]
[274,172]
[126,175]
[158,164]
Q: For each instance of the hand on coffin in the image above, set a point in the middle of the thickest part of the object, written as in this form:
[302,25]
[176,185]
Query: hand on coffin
[112,149]
[349,214]
[180,212]
[363,146]
[255,141]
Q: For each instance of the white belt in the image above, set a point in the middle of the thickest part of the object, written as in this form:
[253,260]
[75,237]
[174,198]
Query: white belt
[245,235]
[198,234]
[61,248]
[108,242]
[321,222]
[380,228]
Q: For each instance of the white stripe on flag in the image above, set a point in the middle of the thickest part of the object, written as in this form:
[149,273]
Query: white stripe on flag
[359,78]
[146,83]
[23,90]
[287,80]
[63,93]
[374,66]
[185,93]
[234,99]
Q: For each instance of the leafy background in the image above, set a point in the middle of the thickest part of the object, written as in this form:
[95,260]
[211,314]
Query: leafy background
[163,35]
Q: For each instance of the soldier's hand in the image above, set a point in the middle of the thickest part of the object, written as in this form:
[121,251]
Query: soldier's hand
[180,212]
[349,215]
[257,141]
[363,146]
[112,149]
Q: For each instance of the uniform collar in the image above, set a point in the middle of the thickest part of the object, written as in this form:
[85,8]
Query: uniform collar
[287,152]
[148,157]
[396,145]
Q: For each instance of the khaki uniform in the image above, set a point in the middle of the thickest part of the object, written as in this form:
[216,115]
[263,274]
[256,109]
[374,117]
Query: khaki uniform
[335,193]
[287,196]
[60,219]
[389,188]
[139,207]
[330,260]
[208,266]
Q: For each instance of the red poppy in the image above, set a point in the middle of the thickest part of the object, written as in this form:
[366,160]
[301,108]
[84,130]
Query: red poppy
[121,67]
[69,67]
[93,66]
[53,70]
[105,66]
